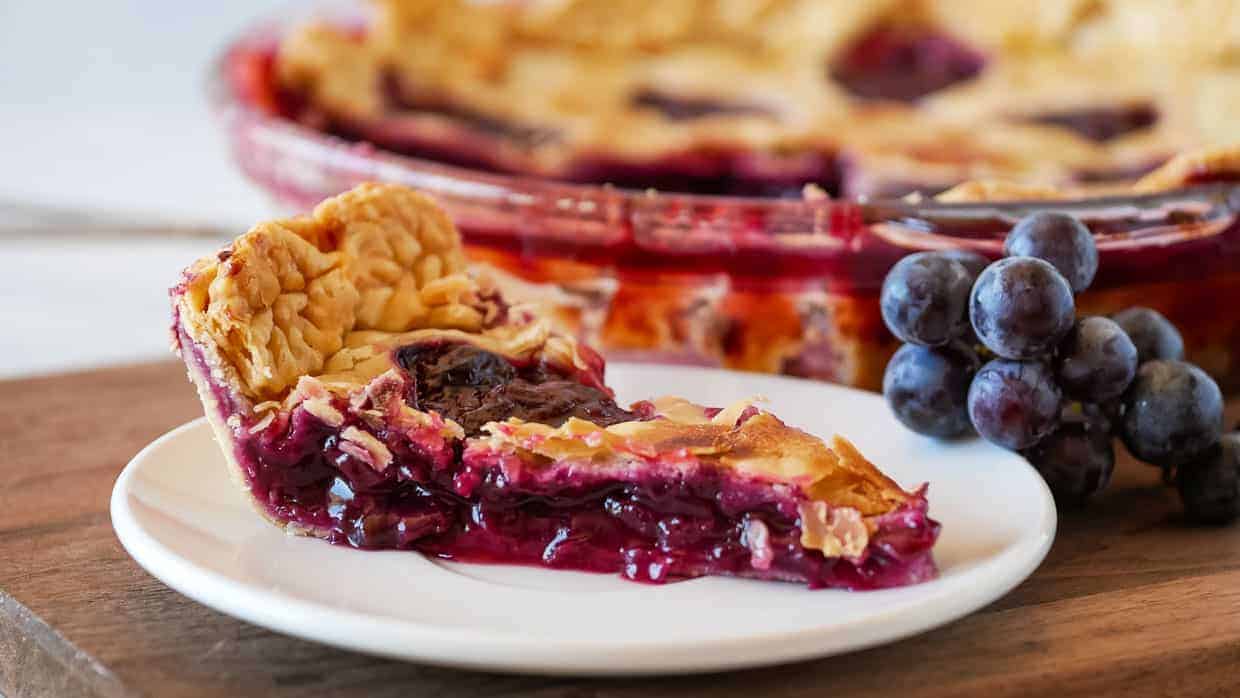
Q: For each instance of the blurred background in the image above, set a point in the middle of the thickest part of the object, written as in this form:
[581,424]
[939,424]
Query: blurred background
[114,172]
[105,135]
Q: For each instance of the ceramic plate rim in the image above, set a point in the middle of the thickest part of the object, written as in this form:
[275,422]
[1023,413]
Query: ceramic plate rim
[503,650]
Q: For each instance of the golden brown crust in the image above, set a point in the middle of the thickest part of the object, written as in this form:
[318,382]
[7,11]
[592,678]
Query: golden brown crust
[573,68]
[283,298]
[1185,169]
[842,492]
[759,446]
[338,70]
[1222,162]
[998,190]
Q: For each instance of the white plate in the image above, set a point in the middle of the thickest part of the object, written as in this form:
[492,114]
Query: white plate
[179,515]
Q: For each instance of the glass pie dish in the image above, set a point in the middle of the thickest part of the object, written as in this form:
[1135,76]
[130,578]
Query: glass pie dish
[760,284]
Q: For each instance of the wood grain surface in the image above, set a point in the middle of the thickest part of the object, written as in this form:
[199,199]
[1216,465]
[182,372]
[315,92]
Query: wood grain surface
[1130,601]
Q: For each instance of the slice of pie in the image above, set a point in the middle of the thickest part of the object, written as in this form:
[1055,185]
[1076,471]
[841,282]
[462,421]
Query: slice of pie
[368,391]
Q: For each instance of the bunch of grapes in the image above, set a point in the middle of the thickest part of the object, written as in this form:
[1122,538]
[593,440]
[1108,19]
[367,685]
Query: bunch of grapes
[997,348]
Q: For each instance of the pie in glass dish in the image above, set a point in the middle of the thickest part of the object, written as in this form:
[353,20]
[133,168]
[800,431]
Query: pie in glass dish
[367,389]
[760,97]
[513,112]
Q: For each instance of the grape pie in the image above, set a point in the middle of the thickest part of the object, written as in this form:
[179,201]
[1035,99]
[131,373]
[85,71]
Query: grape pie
[367,390]
[760,97]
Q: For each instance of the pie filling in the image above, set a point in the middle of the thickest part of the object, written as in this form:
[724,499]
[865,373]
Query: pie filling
[461,499]
[681,108]
[904,64]
[1101,124]
[472,387]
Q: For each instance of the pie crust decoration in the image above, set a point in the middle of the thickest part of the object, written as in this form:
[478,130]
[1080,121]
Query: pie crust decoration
[761,97]
[367,389]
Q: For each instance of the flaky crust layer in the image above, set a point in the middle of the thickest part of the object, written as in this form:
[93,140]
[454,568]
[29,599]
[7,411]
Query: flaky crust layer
[283,298]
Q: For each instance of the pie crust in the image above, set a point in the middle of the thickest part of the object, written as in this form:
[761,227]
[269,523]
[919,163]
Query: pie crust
[865,98]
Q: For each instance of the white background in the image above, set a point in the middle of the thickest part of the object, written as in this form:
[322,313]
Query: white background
[103,109]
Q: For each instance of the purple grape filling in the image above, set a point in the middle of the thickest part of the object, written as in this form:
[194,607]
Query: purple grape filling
[719,171]
[650,531]
[681,108]
[902,64]
[443,498]
[400,99]
[1101,124]
[473,387]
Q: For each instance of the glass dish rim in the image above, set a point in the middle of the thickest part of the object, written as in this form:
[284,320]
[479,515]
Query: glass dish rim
[917,214]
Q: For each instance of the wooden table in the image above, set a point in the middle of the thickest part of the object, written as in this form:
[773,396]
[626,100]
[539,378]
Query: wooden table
[1130,601]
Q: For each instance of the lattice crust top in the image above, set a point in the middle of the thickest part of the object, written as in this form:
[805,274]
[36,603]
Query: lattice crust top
[567,77]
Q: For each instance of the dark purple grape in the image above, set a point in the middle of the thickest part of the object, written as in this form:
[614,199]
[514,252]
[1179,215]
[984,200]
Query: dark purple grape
[1210,485]
[1077,459]
[925,299]
[1021,307]
[1173,412]
[928,388]
[1097,361]
[1014,404]
[1059,239]
[1113,410]
[1153,335]
[973,262]
[1094,416]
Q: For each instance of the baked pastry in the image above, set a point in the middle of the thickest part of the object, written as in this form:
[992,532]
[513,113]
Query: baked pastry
[761,97]
[366,390]
[1057,100]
